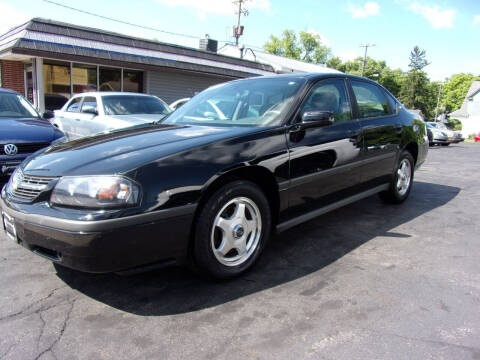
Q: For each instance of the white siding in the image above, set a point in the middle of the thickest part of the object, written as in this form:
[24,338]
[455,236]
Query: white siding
[171,86]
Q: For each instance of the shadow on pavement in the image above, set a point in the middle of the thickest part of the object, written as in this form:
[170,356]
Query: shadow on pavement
[291,255]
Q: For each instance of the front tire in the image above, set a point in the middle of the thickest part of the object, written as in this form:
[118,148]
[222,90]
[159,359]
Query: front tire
[402,180]
[232,229]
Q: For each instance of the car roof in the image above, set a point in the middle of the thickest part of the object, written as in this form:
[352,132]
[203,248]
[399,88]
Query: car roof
[111,93]
[7,91]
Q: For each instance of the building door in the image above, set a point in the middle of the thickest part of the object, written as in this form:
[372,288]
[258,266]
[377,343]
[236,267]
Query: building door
[29,83]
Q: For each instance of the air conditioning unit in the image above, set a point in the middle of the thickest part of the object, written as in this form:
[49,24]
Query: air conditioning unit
[208,44]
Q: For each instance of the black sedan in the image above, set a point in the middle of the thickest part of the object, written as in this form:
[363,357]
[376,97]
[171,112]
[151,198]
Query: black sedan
[210,187]
[22,131]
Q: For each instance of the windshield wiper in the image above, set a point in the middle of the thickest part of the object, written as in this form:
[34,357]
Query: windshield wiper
[162,118]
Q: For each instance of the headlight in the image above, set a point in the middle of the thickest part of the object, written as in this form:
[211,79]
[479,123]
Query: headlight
[95,192]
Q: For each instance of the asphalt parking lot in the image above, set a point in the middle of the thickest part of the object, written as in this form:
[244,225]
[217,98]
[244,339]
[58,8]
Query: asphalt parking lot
[369,281]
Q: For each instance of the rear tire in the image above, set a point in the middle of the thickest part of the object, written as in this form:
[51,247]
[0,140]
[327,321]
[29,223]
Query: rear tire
[231,230]
[445,144]
[402,180]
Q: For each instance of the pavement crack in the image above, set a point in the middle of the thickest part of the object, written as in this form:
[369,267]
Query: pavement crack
[39,301]
[62,330]
[42,329]
[428,341]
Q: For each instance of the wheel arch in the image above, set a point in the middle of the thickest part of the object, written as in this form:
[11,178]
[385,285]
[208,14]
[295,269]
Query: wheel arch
[258,175]
[412,148]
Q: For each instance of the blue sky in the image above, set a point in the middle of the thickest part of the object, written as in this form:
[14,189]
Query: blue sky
[448,30]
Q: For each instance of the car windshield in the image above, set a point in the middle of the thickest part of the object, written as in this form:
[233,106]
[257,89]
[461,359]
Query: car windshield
[16,106]
[254,102]
[438,126]
[133,104]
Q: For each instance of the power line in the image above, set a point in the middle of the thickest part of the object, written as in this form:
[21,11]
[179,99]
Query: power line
[135,25]
[121,21]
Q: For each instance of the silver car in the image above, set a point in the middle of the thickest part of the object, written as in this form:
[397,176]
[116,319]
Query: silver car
[91,113]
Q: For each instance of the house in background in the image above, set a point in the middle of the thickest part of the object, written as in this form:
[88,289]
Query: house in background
[280,64]
[469,113]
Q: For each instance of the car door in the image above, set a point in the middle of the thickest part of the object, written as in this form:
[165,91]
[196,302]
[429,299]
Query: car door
[88,121]
[323,159]
[65,118]
[380,131]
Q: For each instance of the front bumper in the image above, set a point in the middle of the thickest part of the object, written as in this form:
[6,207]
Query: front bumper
[105,245]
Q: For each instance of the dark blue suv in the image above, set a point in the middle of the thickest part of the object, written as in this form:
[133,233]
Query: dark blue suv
[22,131]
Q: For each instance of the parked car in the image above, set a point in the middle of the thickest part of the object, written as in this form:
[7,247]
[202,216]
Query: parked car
[211,190]
[91,113]
[442,135]
[438,135]
[477,138]
[22,131]
[178,103]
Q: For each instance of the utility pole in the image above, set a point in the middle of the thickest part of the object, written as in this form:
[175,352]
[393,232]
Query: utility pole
[366,46]
[240,12]
[438,101]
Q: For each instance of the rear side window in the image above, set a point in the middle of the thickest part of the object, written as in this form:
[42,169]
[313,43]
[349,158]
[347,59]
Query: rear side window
[74,105]
[371,100]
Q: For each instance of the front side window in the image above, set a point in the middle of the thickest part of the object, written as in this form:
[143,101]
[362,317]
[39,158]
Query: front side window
[89,104]
[133,104]
[13,105]
[74,105]
[371,100]
[329,95]
[252,102]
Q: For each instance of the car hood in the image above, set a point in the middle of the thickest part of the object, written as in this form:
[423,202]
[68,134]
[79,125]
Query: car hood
[13,130]
[124,150]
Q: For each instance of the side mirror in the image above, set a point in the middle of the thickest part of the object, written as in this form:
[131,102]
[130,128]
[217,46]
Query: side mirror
[48,114]
[317,118]
[90,110]
[210,115]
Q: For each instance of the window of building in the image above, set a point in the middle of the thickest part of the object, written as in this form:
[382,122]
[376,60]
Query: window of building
[56,83]
[132,81]
[110,79]
[60,84]
[84,78]
[371,100]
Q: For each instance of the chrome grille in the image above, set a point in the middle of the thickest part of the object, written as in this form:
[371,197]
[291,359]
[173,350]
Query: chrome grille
[29,187]
[26,148]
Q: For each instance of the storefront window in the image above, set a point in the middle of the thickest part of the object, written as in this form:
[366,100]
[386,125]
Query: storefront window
[110,79]
[84,78]
[56,81]
[132,81]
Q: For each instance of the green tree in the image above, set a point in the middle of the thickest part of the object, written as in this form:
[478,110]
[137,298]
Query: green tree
[455,90]
[416,91]
[307,47]
[336,63]
[417,59]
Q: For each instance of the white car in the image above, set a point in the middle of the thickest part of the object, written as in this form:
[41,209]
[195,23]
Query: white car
[91,113]
[178,103]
